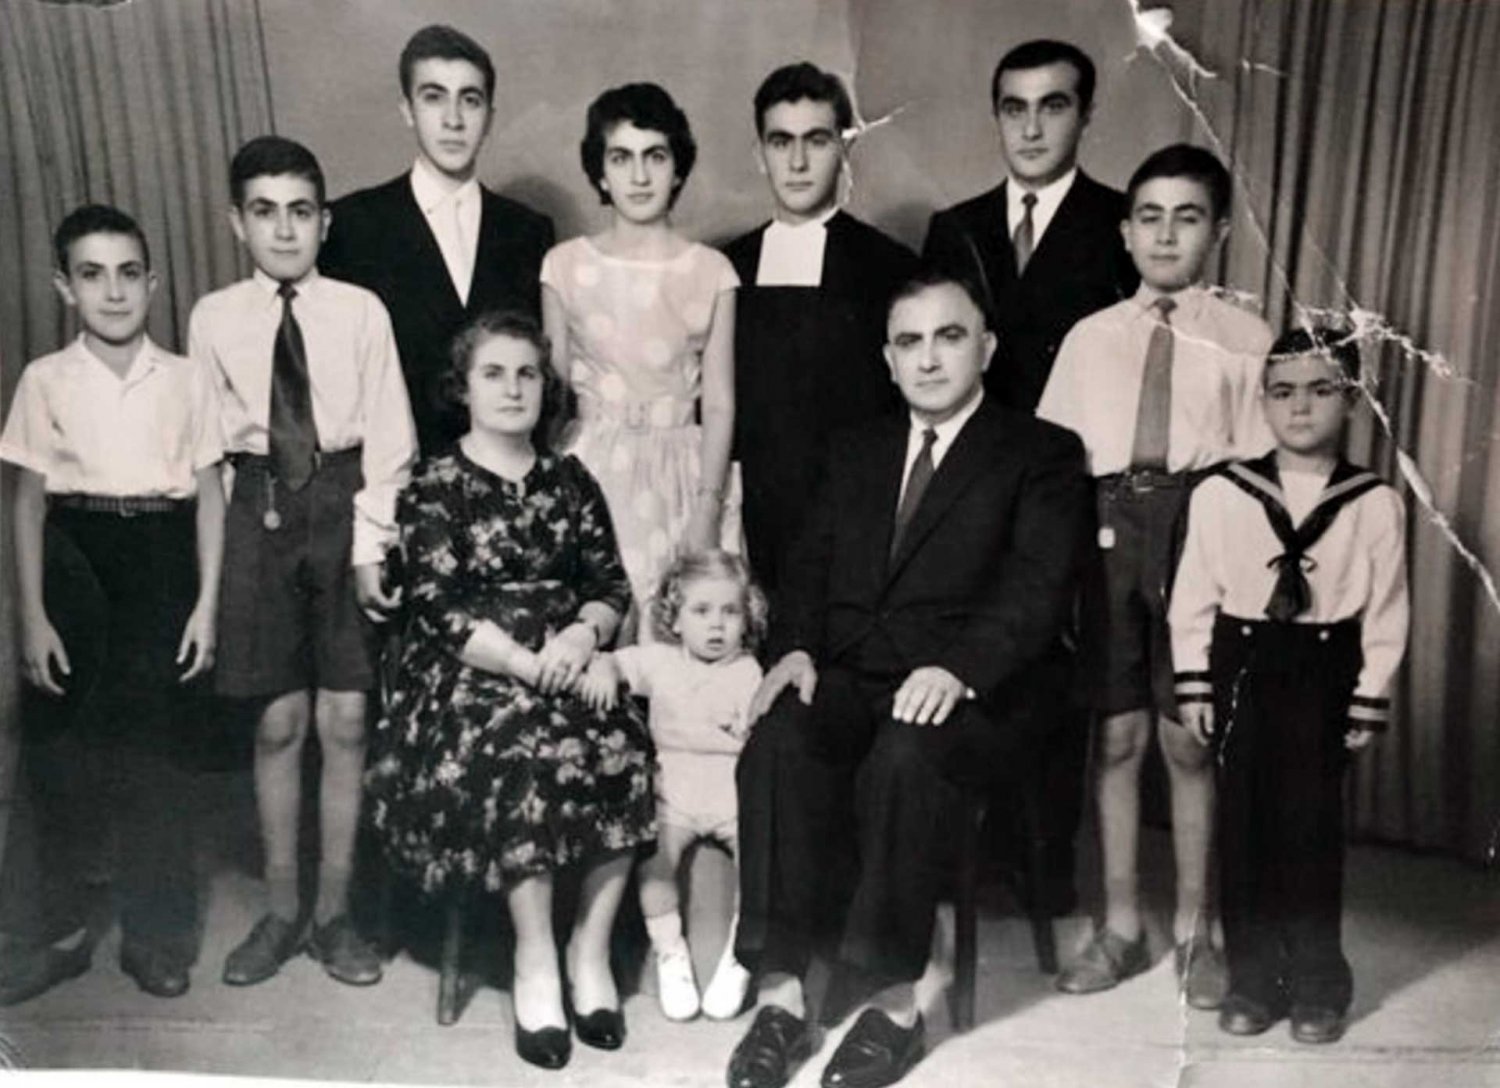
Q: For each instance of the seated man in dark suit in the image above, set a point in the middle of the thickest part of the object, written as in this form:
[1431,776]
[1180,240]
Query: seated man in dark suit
[810,315]
[936,564]
[1045,246]
[434,244]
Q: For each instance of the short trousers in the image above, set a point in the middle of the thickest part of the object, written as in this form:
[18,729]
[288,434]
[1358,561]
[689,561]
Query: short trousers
[695,792]
[1126,651]
[289,617]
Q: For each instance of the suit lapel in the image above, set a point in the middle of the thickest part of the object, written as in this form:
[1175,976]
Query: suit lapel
[1060,240]
[959,465]
[433,283]
[489,255]
[839,273]
[886,474]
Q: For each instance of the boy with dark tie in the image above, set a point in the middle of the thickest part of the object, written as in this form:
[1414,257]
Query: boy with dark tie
[316,424]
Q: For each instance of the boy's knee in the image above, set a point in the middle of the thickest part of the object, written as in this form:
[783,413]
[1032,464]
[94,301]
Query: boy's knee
[341,720]
[282,725]
[1122,740]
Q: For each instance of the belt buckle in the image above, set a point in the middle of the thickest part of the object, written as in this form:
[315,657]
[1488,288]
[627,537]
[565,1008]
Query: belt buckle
[123,509]
[1141,481]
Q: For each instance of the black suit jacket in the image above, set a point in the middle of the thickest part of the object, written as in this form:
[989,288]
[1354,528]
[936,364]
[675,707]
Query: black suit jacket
[807,363]
[1079,266]
[983,580]
[379,239]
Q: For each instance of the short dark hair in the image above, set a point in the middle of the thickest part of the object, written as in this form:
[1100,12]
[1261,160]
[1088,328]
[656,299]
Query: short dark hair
[439,42]
[666,604]
[95,219]
[1338,345]
[518,325]
[1185,161]
[932,275]
[1039,53]
[273,156]
[795,82]
[644,105]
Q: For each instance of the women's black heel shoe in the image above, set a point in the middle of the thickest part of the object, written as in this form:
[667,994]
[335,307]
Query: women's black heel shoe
[549,1048]
[603,1029]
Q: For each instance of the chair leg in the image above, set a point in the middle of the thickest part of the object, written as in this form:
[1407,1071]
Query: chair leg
[965,950]
[450,980]
[1043,938]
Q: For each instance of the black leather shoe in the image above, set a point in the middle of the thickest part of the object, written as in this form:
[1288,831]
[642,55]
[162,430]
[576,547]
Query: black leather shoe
[549,1048]
[772,1050]
[875,1052]
[603,1029]
[157,973]
[1241,1015]
[1316,1024]
[31,972]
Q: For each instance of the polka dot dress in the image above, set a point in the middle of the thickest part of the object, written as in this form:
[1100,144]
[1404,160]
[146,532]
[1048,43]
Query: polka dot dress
[636,331]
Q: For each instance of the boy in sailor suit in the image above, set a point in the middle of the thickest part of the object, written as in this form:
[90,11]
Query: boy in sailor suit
[1289,619]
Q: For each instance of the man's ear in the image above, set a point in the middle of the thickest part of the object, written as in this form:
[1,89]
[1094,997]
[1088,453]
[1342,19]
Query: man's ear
[757,152]
[237,221]
[890,360]
[64,287]
[327,217]
[1221,229]
[405,107]
[990,342]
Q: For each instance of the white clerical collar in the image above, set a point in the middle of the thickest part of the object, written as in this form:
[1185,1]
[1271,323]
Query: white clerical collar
[791,255]
[430,190]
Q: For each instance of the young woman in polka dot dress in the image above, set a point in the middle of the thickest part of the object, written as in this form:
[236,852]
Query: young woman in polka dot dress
[642,325]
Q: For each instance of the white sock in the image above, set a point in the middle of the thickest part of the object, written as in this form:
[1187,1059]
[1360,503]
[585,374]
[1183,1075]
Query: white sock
[665,931]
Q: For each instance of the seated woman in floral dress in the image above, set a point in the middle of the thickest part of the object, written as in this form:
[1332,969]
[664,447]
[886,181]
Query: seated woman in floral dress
[488,771]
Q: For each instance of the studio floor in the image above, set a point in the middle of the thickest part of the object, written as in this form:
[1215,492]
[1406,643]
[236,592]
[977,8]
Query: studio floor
[1423,935]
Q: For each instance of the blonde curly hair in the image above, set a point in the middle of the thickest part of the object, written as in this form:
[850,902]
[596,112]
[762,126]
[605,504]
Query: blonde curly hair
[666,604]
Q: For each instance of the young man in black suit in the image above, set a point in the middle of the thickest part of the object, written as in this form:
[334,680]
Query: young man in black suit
[434,244]
[810,316]
[1045,246]
[1045,243]
[936,564]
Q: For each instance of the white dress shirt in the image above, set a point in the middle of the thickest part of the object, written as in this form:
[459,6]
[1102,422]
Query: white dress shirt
[1218,353]
[358,393]
[791,254]
[947,431]
[1048,199]
[1357,571]
[90,431]
[453,217]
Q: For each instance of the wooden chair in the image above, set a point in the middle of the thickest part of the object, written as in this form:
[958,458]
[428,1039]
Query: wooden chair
[966,907]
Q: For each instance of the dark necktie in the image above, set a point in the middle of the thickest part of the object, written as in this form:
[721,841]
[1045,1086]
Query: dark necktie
[916,486]
[1025,239]
[1154,416]
[293,436]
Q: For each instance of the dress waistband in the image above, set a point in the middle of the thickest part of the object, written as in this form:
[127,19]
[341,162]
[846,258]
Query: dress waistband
[656,413]
[123,506]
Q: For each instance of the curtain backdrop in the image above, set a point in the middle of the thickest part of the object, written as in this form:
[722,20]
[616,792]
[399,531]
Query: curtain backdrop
[138,105]
[1362,134]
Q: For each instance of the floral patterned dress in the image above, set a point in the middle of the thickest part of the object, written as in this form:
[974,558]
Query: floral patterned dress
[476,779]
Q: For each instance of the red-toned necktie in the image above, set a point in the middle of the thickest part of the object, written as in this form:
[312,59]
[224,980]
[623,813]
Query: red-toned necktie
[1154,416]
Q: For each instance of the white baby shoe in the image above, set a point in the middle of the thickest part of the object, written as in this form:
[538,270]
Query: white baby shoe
[676,989]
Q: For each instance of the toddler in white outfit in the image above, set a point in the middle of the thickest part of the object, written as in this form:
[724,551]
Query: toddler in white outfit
[699,680]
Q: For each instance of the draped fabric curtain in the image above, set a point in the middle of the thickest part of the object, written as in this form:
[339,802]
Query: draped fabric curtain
[139,105]
[1363,135]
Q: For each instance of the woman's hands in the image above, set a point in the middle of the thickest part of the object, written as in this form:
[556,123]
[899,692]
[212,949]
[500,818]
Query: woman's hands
[564,656]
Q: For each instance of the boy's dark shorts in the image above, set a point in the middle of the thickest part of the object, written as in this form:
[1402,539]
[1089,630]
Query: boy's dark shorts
[289,619]
[1126,651]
